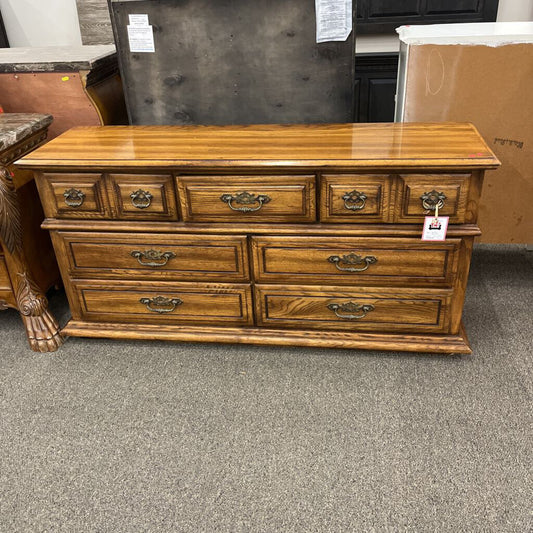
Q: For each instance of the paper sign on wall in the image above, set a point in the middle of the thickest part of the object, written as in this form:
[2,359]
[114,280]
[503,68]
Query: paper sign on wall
[333,20]
[140,34]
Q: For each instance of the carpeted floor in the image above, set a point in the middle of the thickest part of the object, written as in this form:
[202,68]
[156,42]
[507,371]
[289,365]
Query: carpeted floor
[109,436]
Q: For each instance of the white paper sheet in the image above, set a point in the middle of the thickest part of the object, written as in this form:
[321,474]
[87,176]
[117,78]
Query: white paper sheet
[141,38]
[138,19]
[333,20]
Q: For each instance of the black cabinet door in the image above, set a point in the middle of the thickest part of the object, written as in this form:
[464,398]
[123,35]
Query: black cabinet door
[375,89]
[382,16]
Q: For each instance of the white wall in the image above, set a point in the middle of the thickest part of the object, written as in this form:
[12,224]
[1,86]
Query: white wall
[41,22]
[515,10]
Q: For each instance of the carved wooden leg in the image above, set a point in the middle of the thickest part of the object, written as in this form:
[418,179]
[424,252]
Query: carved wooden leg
[41,327]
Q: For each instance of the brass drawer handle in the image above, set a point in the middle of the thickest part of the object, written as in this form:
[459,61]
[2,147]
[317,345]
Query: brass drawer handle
[433,199]
[246,199]
[354,200]
[74,197]
[351,308]
[154,257]
[141,199]
[352,259]
[160,304]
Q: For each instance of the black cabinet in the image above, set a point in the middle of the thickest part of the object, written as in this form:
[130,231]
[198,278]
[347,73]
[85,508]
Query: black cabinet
[375,87]
[382,16]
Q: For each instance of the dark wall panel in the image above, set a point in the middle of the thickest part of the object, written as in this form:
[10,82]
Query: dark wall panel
[234,62]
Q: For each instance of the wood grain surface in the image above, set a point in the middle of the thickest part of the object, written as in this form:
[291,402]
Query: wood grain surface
[405,145]
[231,238]
[392,309]
[95,22]
[119,255]
[430,343]
[389,261]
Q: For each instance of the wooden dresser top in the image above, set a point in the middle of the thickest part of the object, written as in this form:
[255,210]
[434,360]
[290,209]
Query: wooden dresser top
[402,145]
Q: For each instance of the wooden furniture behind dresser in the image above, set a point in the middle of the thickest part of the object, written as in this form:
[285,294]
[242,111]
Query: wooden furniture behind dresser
[27,264]
[307,235]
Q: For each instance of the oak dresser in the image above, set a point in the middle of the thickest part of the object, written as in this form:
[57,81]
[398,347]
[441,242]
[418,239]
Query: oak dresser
[276,234]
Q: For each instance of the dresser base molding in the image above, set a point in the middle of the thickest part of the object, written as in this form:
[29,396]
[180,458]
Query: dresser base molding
[442,344]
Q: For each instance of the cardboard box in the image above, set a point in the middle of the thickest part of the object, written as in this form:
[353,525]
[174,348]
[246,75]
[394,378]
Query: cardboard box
[479,73]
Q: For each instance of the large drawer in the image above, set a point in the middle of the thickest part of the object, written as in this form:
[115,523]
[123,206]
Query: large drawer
[246,198]
[354,261]
[361,309]
[153,256]
[162,302]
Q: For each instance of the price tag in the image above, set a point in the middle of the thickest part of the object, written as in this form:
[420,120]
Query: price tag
[435,227]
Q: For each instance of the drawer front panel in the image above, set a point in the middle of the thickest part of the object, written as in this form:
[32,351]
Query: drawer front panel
[365,309]
[74,196]
[355,198]
[142,197]
[166,303]
[418,194]
[245,198]
[333,260]
[155,256]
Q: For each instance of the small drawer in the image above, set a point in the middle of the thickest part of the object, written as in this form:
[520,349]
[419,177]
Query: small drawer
[352,261]
[73,195]
[246,198]
[419,193]
[360,198]
[143,197]
[153,256]
[362,309]
[162,302]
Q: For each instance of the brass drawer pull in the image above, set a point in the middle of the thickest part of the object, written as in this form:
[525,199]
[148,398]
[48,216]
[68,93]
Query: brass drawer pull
[141,199]
[246,199]
[351,308]
[433,199]
[354,200]
[160,304]
[154,258]
[352,259]
[74,197]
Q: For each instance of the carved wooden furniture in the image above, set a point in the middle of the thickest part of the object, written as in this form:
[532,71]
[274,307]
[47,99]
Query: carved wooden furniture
[78,85]
[307,235]
[27,264]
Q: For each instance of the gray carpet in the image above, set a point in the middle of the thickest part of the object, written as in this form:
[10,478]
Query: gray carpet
[123,436]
